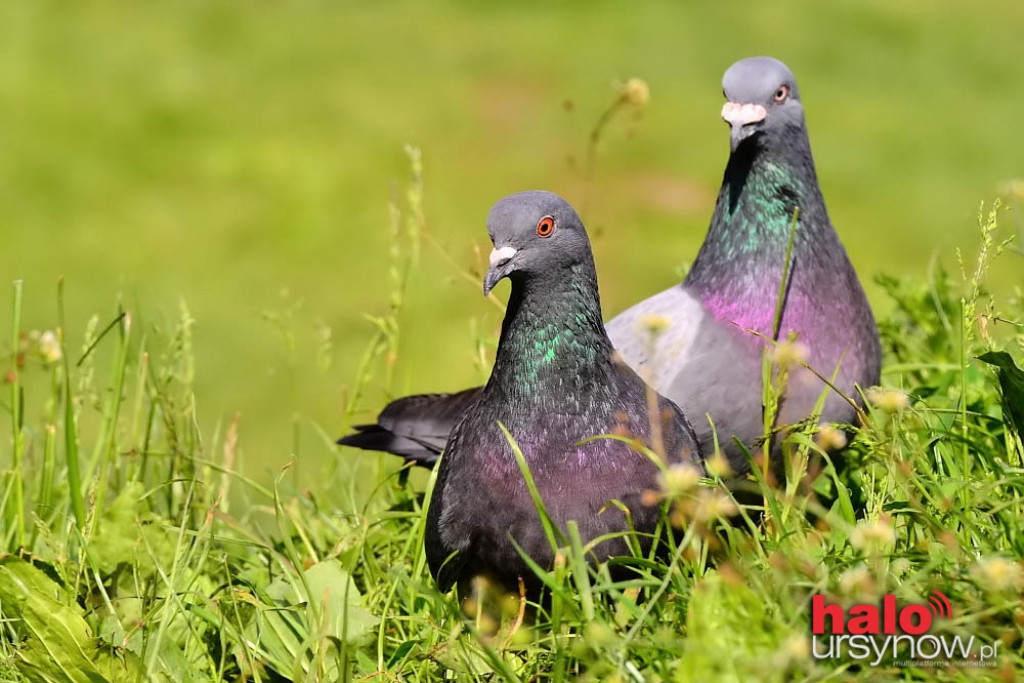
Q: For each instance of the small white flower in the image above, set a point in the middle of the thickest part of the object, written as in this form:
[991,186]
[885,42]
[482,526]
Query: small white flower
[49,347]
[787,354]
[873,537]
[712,504]
[718,466]
[900,566]
[998,574]
[857,581]
[678,479]
[888,400]
[636,91]
[829,438]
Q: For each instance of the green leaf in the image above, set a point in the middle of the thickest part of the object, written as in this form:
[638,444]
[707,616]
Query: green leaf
[344,616]
[283,629]
[399,654]
[57,643]
[117,541]
[279,627]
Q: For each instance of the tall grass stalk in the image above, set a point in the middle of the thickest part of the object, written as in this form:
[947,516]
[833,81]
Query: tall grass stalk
[15,488]
[73,469]
[106,445]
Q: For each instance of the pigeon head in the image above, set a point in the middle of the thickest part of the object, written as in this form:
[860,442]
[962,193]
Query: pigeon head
[534,234]
[762,99]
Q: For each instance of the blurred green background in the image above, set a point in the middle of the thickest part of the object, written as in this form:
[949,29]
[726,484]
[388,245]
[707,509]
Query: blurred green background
[241,157]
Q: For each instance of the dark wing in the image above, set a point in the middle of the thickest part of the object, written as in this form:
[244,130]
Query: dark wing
[414,427]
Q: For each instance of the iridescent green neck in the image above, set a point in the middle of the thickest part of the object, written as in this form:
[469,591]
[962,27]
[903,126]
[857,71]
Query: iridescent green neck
[739,268]
[553,329]
[756,203]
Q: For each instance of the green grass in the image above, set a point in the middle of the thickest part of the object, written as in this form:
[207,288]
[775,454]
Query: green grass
[211,284]
[227,154]
[138,551]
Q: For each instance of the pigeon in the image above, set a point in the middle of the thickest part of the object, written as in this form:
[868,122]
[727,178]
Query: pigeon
[556,382]
[709,359]
[719,320]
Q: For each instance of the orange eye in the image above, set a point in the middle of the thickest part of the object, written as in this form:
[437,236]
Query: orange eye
[782,93]
[546,226]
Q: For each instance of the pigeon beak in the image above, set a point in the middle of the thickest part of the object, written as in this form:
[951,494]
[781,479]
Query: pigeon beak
[744,119]
[500,259]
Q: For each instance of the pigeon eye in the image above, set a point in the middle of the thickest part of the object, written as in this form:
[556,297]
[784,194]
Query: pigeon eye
[545,226]
[782,93]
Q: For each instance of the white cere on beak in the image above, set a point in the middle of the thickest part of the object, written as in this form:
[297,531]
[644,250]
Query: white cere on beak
[741,114]
[501,256]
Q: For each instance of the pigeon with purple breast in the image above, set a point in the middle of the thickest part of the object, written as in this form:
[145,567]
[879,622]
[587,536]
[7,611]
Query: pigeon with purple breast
[556,383]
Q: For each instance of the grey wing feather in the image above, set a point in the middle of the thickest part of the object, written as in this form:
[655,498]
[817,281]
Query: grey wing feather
[658,357]
[698,363]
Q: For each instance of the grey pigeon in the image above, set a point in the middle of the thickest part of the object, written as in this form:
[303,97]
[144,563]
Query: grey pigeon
[709,358]
[556,381]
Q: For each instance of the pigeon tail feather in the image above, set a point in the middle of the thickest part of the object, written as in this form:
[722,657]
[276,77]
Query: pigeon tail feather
[414,427]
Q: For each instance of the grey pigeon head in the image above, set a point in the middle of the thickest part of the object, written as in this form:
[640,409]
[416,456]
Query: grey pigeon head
[762,98]
[534,233]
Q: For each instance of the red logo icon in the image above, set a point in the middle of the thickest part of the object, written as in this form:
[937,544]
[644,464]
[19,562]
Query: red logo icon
[866,619]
